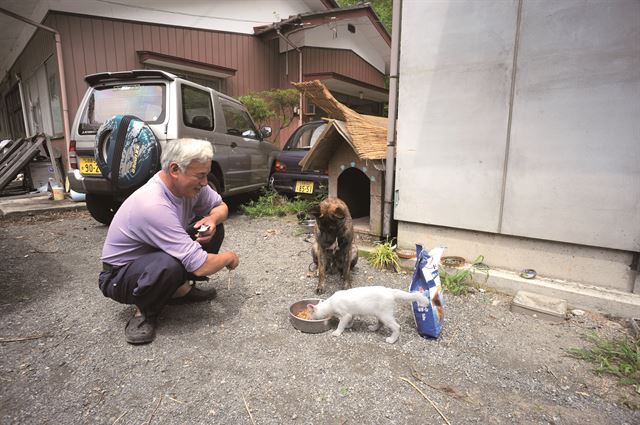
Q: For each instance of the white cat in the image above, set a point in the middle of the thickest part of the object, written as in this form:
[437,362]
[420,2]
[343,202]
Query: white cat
[377,301]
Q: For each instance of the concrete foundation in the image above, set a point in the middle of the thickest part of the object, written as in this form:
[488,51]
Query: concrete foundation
[589,278]
[601,267]
[586,297]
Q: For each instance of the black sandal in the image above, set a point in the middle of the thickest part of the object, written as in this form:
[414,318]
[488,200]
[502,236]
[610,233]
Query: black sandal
[140,329]
[195,295]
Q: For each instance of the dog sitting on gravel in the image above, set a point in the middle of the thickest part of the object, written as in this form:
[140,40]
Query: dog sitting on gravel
[333,249]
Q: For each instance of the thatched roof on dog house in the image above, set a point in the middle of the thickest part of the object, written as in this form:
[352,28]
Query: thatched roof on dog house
[366,134]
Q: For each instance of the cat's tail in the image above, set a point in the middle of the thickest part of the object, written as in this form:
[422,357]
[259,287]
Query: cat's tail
[418,297]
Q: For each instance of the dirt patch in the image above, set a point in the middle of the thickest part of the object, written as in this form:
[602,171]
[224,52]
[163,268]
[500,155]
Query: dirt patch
[490,366]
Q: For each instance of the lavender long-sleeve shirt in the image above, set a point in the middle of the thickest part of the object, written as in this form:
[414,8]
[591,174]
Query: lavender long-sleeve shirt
[153,219]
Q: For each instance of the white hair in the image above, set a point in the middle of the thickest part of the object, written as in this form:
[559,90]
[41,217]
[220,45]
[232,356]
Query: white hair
[185,151]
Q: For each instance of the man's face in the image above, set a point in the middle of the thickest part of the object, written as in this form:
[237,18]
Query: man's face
[189,182]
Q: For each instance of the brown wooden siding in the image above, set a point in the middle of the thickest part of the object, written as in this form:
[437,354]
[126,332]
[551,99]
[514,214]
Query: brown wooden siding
[93,44]
[343,62]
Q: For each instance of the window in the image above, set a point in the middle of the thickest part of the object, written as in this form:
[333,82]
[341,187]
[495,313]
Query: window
[238,120]
[54,96]
[14,111]
[42,100]
[203,80]
[308,137]
[145,101]
[197,110]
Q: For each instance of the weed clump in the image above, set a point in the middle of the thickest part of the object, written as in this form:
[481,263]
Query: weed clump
[272,204]
[617,356]
[458,282]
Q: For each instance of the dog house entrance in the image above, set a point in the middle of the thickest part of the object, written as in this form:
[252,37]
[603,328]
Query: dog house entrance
[354,190]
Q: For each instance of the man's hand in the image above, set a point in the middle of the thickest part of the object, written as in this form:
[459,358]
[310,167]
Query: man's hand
[216,262]
[235,261]
[217,215]
[204,237]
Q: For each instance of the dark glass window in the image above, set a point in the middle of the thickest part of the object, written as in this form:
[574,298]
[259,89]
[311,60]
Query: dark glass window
[238,121]
[197,110]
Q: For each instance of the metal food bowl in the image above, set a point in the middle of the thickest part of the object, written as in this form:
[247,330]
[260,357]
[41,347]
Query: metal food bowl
[308,225]
[308,326]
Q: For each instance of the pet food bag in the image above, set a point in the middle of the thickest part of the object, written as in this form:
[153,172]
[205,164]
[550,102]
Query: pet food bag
[429,319]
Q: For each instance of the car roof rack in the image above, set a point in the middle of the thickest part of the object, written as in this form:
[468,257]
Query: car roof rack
[137,74]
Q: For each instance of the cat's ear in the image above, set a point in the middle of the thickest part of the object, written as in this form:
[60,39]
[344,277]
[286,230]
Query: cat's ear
[339,213]
[311,307]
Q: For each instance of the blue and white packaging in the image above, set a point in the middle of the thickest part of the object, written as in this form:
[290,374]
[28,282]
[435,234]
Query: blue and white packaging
[426,279]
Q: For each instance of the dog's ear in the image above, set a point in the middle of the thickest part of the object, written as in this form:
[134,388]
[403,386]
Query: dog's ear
[315,211]
[339,213]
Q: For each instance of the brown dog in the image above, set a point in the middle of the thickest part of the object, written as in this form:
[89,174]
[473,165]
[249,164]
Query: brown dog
[333,249]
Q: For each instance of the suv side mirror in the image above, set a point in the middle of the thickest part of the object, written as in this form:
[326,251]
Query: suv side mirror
[265,132]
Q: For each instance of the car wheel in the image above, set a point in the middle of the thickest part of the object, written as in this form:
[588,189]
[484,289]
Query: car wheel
[270,185]
[214,183]
[102,208]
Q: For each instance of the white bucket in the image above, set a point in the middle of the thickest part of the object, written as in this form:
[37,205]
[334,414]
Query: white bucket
[58,193]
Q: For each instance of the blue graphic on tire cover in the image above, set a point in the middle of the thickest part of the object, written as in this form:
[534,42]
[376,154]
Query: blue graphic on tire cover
[131,148]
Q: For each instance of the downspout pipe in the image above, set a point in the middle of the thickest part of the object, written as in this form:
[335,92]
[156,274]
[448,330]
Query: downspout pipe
[389,174]
[284,37]
[61,74]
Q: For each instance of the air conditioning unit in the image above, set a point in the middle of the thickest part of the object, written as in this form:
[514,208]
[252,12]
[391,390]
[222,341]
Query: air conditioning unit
[310,109]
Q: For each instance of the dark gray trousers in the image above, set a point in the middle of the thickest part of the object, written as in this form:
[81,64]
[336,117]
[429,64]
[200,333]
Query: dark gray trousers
[151,280]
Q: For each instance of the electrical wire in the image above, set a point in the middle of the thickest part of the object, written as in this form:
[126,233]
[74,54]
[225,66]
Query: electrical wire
[181,13]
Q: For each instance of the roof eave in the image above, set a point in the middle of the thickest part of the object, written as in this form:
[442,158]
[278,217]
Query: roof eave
[313,19]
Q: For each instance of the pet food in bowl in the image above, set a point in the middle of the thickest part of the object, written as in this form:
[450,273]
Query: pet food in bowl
[299,310]
[304,314]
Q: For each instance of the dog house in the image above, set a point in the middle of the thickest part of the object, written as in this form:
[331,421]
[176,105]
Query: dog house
[352,149]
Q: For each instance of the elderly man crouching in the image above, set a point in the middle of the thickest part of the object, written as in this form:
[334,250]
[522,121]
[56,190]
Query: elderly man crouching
[148,256]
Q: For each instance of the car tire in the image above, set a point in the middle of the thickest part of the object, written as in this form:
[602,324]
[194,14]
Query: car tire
[270,183]
[214,183]
[101,207]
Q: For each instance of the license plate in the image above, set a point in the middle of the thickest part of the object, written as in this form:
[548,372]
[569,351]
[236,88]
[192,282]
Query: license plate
[304,186]
[88,165]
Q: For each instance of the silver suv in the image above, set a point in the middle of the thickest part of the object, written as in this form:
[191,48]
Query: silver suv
[173,108]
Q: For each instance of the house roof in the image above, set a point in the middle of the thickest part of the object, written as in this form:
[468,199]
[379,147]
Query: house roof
[365,134]
[358,25]
[312,19]
[226,16]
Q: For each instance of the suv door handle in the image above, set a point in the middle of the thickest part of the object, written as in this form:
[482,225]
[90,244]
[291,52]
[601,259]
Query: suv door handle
[234,145]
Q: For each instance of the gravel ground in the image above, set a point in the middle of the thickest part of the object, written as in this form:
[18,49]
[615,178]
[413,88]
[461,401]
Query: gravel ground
[214,363]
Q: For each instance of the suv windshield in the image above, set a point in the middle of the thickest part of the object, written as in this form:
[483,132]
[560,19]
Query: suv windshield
[145,101]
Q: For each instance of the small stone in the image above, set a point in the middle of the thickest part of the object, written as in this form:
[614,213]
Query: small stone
[577,312]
